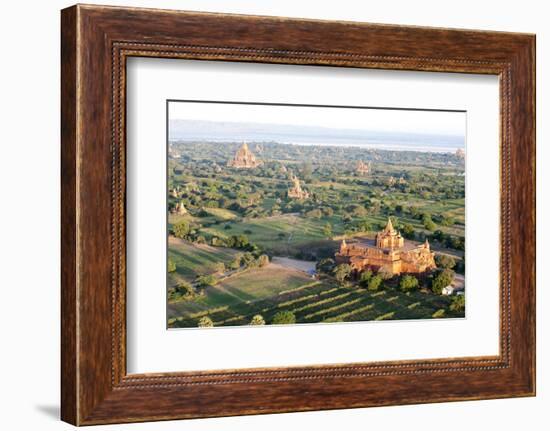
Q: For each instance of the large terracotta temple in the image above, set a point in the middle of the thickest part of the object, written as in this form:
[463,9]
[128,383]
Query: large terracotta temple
[389,251]
[244,159]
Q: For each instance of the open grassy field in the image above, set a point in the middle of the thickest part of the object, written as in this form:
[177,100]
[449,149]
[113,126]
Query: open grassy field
[195,259]
[280,235]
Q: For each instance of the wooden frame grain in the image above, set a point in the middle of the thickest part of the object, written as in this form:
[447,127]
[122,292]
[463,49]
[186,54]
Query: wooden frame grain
[95,43]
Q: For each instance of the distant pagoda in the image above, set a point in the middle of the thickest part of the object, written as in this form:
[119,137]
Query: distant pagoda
[460,153]
[179,209]
[244,159]
[362,168]
[296,191]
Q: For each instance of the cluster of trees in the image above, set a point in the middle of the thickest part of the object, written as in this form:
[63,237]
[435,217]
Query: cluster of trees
[182,291]
[407,282]
[371,281]
[248,260]
[319,212]
[448,240]
[182,229]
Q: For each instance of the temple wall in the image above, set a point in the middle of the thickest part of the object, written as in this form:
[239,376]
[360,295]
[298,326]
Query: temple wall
[360,258]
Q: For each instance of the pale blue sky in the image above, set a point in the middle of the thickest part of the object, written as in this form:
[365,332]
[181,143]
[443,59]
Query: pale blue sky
[402,121]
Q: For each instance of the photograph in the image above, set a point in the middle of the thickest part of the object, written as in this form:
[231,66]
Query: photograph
[294,213]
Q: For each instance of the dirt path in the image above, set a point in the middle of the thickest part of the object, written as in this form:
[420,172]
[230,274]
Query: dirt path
[300,265]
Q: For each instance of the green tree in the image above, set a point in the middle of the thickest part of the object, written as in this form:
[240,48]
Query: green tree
[325,265]
[357,210]
[365,277]
[442,280]
[327,230]
[447,220]
[445,261]
[181,229]
[207,280]
[236,263]
[284,318]
[248,260]
[342,271]
[171,265]
[219,267]
[315,213]
[257,320]
[408,283]
[429,225]
[364,226]
[205,322]
[328,212]
[181,291]
[374,283]
[408,231]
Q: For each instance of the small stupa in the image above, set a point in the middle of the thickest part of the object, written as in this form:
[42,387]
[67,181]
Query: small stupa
[180,209]
[296,191]
[362,168]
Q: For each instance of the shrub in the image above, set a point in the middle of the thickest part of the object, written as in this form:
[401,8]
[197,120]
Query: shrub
[248,260]
[181,291]
[328,212]
[284,318]
[374,283]
[257,320]
[429,225]
[181,229]
[327,230]
[439,314]
[171,265]
[441,280]
[408,283]
[205,322]
[325,265]
[219,267]
[365,277]
[444,261]
[408,231]
[236,263]
[458,303]
[341,272]
[315,213]
[207,280]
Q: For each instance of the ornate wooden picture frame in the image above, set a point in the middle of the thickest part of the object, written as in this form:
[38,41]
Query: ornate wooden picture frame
[96,41]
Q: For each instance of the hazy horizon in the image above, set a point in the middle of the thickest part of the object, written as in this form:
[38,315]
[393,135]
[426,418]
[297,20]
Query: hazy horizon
[235,131]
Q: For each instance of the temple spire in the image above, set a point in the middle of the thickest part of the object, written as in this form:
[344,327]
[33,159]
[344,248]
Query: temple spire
[389,226]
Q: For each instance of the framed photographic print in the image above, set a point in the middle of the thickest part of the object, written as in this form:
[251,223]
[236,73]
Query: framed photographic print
[331,214]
